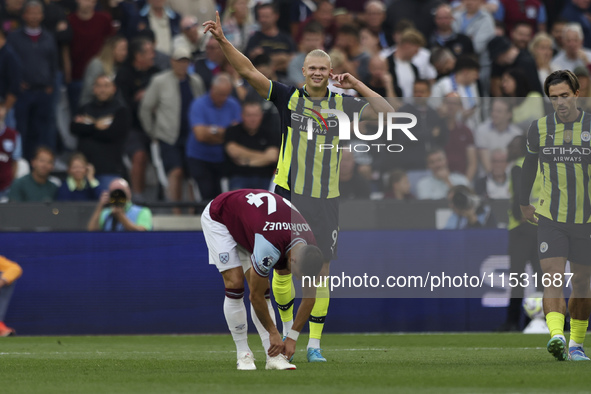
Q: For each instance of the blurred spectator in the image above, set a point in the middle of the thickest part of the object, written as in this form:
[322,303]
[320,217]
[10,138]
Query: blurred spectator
[495,184]
[489,5]
[203,10]
[527,105]
[109,60]
[116,212]
[347,40]
[56,22]
[572,54]
[300,11]
[80,185]
[90,30]
[478,24]
[541,49]
[352,185]
[343,17]
[374,16]
[10,76]
[505,55]
[380,80]
[238,23]
[312,38]
[10,153]
[164,113]
[444,36]
[252,150]
[584,100]
[499,29]
[443,60]
[340,65]
[431,131]
[464,82]
[161,59]
[124,14]
[270,39]
[469,210]
[163,21]
[213,63]
[189,37]
[495,133]
[579,11]
[132,80]
[11,15]
[460,148]
[556,33]
[210,116]
[411,41]
[531,12]
[9,273]
[102,127]
[270,114]
[398,186]
[420,12]
[36,186]
[436,185]
[37,52]
[400,62]
[324,16]
[521,35]
[369,41]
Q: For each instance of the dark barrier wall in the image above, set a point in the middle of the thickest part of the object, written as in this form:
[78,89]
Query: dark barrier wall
[131,283]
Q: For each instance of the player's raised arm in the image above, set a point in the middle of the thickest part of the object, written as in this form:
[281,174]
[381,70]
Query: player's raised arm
[240,62]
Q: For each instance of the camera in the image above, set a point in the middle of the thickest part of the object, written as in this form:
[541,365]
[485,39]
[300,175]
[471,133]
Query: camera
[117,198]
[464,200]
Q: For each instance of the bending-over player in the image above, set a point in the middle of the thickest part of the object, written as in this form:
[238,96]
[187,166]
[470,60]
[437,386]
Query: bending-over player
[257,229]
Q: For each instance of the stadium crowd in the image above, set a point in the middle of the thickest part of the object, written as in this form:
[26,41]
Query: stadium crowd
[115,88]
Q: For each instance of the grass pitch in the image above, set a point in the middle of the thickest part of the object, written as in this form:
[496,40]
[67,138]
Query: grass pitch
[429,363]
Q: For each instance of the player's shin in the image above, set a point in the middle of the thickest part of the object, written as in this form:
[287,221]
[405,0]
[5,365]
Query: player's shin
[555,322]
[284,293]
[318,315]
[264,334]
[235,313]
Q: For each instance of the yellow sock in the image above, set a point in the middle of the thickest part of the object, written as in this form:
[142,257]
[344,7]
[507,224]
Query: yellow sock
[284,293]
[319,312]
[578,329]
[555,322]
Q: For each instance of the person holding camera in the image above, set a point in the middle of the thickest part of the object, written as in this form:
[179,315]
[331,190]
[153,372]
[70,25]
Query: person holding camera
[469,210]
[115,212]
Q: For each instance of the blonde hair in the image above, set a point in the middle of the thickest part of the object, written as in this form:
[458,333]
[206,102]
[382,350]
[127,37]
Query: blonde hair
[538,38]
[413,36]
[106,56]
[319,53]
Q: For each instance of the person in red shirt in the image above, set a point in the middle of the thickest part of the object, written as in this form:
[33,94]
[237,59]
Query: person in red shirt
[254,228]
[90,29]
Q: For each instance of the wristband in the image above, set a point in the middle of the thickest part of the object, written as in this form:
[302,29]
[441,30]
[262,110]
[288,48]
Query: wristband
[293,334]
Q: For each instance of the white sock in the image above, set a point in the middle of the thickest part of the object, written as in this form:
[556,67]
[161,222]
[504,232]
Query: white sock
[235,313]
[313,343]
[287,326]
[572,343]
[264,334]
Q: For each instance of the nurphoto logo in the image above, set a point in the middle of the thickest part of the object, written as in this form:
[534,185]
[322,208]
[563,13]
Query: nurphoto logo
[343,122]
